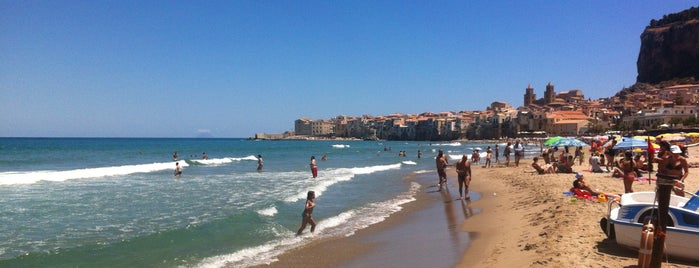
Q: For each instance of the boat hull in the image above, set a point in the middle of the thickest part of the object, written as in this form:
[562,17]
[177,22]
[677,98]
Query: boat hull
[625,224]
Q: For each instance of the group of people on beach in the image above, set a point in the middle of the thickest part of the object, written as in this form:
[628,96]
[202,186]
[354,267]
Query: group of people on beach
[671,161]
[463,171]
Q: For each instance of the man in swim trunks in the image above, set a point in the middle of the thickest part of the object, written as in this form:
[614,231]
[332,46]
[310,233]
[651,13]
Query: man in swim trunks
[463,170]
[178,169]
[441,162]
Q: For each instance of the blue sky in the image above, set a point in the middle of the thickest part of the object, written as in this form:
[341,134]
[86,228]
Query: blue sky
[236,68]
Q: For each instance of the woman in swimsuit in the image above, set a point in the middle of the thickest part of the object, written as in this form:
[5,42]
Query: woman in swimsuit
[307,211]
[677,168]
[314,167]
[627,166]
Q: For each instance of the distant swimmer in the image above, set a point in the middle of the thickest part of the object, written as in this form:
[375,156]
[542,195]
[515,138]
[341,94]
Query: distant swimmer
[178,169]
[314,167]
[259,162]
[204,156]
[324,158]
[174,156]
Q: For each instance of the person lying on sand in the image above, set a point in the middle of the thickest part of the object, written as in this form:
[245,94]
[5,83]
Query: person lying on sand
[546,169]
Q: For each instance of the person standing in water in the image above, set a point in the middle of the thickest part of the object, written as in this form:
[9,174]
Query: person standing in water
[174,156]
[441,162]
[178,169]
[314,167]
[259,162]
[204,156]
[463,170]
[307,211]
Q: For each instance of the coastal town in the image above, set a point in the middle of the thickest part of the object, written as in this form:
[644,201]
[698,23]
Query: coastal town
[639,108]
[665,96]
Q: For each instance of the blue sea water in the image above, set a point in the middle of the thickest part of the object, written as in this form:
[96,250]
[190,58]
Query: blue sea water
[69,202]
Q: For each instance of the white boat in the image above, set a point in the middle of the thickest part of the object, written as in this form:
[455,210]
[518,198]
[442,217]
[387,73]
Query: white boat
[625,218]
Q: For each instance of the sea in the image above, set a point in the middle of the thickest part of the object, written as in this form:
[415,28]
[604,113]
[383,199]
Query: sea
[116,202]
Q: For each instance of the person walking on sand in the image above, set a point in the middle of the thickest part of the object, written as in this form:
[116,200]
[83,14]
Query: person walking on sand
[488,156]
[609,153]
[307,211]
[497,153]
[178,169]
[519,152]
[314,167]
[441,162]
[463,170]
[259,162]
[508,151]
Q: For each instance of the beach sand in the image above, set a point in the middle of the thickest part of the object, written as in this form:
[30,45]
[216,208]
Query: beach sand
[520,219]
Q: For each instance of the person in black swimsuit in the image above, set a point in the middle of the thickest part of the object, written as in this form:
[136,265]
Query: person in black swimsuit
[307,211]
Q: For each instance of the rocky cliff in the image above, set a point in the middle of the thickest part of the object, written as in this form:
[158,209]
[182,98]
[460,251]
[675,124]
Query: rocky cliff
[670,48]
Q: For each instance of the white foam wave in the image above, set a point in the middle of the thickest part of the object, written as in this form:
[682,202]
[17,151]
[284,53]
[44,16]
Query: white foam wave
[409,163]
[454,156]
[447,144]
[332,176]
[225,160]
[341,146]
[344,224]
[7,178]
[423,171]
[271,211]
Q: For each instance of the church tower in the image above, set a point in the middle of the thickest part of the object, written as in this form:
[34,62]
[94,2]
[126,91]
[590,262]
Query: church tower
[529,96]
[549,94]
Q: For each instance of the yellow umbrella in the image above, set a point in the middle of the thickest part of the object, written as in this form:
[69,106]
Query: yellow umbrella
[651,138]
[666,135]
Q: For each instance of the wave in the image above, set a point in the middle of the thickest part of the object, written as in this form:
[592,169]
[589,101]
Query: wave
[332,176]
[8,178]
[455,144]
[412,163]
[344,224]
[271,211]
[221,161]
[340,146]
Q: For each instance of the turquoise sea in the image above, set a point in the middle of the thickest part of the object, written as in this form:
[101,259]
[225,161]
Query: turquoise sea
[115,202]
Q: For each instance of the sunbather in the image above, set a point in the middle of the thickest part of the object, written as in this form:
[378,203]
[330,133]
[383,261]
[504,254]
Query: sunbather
[546,169]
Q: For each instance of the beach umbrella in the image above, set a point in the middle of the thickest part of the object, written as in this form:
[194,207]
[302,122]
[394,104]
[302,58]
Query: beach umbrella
[633,143]
[676,138]
[551,140]
[568,142]
[673,137]
[651,138]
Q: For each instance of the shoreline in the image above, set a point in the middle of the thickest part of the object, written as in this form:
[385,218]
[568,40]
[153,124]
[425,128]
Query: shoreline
[520,219]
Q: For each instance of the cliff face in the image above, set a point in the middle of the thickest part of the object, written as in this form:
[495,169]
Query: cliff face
[669,51]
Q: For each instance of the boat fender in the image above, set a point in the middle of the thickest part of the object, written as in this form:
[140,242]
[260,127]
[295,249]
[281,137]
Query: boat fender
[646,248]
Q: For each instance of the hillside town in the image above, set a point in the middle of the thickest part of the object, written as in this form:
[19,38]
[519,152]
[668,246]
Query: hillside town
[640,108]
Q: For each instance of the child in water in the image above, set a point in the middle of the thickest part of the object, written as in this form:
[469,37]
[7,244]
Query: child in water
[307,211]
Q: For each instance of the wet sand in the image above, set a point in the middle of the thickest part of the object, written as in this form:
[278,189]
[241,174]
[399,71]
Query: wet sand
[521,219]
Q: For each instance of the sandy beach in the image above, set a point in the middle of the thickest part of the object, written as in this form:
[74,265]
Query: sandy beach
[520,219]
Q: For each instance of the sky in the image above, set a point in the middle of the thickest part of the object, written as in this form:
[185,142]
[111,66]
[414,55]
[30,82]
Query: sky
[231,69]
